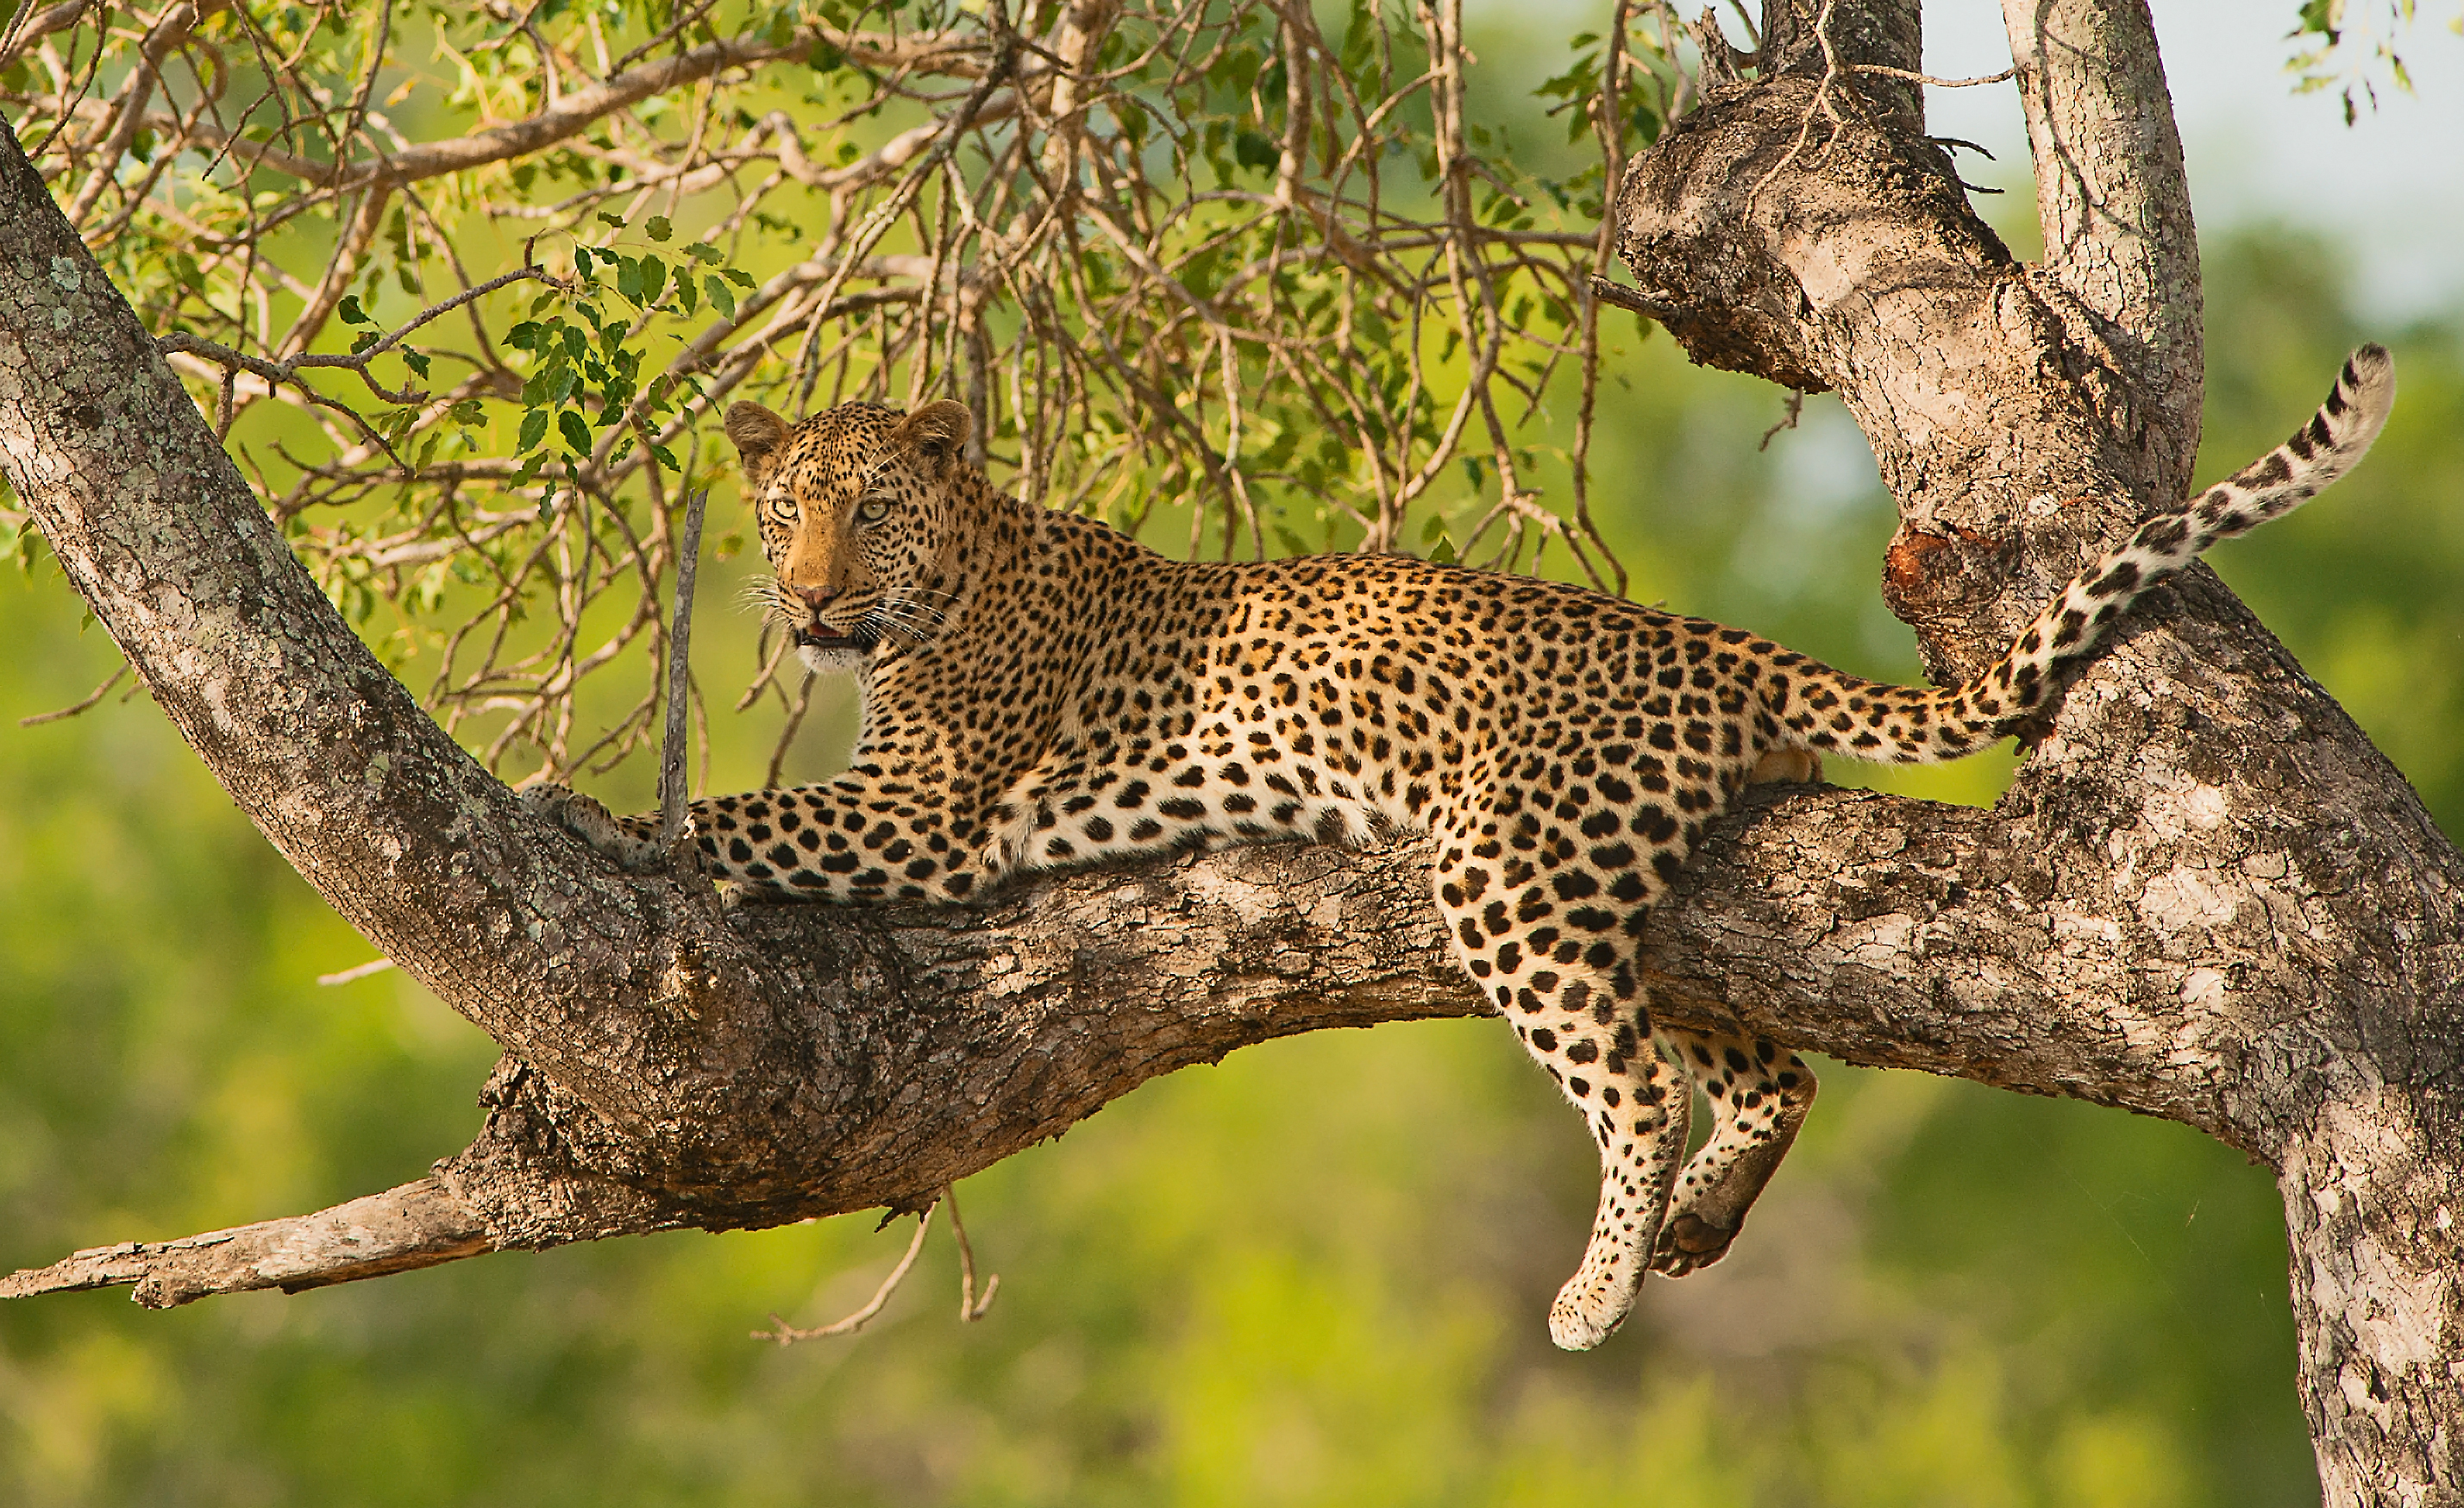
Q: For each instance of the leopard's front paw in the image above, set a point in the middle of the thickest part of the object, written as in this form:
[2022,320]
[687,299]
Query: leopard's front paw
[632,849]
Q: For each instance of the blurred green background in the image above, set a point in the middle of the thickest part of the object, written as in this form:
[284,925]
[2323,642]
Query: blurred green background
[1315,1275]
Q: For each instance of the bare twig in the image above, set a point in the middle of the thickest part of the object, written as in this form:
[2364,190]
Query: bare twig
[784,1334]
[1833,69]
[672,792]
[1884,71]
[91,699]
[287,371]
[1789,415]
[29,26]
[1625,297]
[357,972]
[970,1307]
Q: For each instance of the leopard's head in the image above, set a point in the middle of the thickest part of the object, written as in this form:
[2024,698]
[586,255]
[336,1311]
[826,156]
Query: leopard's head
[859,509]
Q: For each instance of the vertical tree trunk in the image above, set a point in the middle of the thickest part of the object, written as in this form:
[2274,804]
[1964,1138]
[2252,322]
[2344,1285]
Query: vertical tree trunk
[2022,416]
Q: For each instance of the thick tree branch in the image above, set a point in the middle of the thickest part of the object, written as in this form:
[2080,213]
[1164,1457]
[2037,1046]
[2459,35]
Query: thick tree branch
[1871,927]
[2114,205]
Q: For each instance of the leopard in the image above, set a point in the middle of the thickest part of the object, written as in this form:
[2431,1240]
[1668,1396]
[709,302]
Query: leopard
[1041,691]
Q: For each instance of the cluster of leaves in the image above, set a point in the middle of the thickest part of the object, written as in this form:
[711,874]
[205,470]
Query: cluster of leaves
[1193,260]
[2336,48]
[585,372]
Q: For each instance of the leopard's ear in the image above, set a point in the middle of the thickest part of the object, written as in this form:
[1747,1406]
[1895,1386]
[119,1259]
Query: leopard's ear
[936,432]
[759,435]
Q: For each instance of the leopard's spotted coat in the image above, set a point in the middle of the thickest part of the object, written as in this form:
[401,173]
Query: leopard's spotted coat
[1040,690]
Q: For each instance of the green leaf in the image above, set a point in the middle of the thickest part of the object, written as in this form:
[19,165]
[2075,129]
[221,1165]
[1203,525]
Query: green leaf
[1252,150]
[416,362]
[740,277]
[720,298]
[702,252]
[576,433]
[654,279]
[534,429]
[658,228]
[1442,552]
[616,220]
[351,312]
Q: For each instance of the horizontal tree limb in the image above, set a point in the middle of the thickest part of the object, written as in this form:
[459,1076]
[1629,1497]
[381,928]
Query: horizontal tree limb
[1875,928]
[416,1224]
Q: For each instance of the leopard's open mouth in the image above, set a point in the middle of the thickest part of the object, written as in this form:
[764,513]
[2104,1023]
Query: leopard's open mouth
[823,639]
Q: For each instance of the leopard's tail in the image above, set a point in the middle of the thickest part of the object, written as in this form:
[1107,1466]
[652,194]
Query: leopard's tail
[1821,709]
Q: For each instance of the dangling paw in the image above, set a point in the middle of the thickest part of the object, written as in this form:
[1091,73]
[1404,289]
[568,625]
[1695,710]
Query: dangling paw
[634,850]
[1594,1302]
[1688,1243]
[1579,1320]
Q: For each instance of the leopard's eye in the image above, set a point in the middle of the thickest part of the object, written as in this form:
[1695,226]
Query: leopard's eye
[872,510]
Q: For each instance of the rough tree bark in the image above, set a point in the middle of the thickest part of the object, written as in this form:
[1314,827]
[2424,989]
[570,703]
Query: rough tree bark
[2204,898]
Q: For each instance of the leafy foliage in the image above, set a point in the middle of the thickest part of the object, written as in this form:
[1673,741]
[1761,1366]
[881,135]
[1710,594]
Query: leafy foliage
[1246,266]
[2349,48]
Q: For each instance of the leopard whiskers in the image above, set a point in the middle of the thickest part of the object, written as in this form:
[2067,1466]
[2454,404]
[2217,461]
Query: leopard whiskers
[918,621]
[908,602]
[765,594]
[913,621]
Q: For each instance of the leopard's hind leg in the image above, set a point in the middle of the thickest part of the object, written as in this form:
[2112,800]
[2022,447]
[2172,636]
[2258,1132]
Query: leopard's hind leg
[1758,1093]
[1549,937]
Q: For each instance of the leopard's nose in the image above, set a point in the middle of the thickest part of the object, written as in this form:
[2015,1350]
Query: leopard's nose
[815,598]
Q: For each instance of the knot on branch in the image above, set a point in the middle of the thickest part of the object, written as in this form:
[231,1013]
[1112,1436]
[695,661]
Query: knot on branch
[1771,213]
